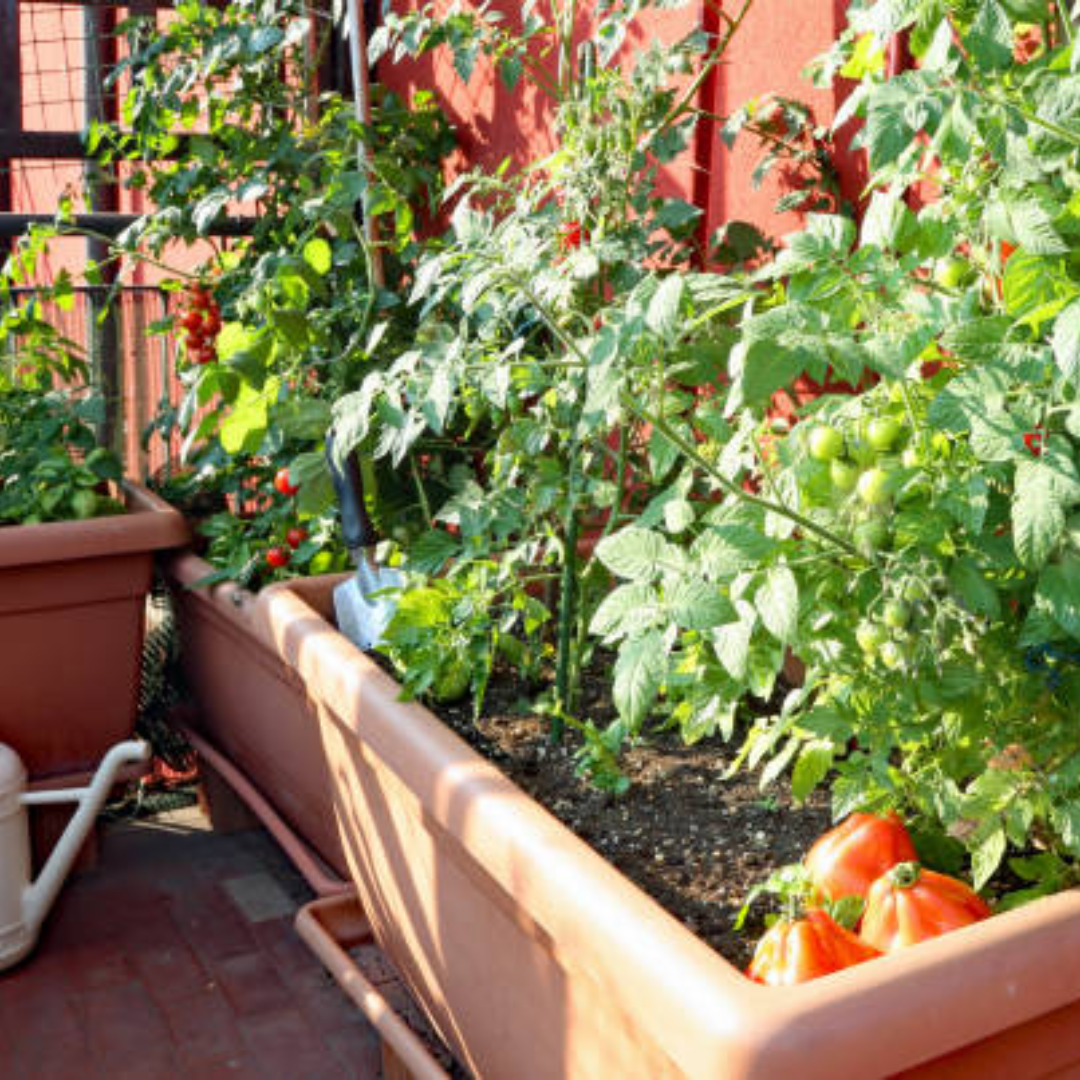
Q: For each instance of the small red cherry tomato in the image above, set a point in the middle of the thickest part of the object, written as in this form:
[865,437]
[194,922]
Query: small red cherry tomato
[570,234]
[284,484]
[296,536]
[1033,440]
[277,557]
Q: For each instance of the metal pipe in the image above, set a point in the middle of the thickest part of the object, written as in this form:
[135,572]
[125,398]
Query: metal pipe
[13,225]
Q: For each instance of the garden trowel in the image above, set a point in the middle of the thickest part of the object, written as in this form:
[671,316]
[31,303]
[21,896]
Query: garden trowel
[364,604]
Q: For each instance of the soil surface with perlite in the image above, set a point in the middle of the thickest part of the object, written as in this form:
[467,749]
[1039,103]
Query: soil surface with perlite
[695,841]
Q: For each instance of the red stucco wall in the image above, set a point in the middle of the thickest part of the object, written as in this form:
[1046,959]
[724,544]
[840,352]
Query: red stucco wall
[776,41]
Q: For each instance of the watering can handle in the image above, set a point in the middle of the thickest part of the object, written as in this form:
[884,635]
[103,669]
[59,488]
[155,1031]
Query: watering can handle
[356,527]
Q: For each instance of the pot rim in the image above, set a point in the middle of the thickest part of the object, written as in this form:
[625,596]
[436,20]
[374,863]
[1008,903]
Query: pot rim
[150,524]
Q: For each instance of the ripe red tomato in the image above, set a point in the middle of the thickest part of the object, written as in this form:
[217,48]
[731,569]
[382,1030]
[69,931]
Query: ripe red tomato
[206,354]
[796,952]
[278,557]
[570,234]
[296,536]
[909,904]
[212,325]
[192,321]
[199,296]
[1033,440]
[847,860]
[284,484]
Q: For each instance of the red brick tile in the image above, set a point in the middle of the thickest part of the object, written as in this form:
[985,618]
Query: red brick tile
[161,1064]
[203,1029]
[242,1068]
[328,1009]
[96,966]
[359,1049]
[252,984]
[212,929]
[50,1059]
[35,1007]
[284,1046]
[123,1024]
[171,970]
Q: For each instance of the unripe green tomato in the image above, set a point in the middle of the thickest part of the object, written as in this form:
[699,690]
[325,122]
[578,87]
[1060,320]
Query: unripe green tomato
[915,590]
[891,654]
[871,536]
[871,636]
[882,432]
[896,614]
[843,474]
[874,486]
[862,452]
[951,273]
[911,458]
[826,443]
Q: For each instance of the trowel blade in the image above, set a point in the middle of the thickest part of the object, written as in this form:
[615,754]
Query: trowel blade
[363,616]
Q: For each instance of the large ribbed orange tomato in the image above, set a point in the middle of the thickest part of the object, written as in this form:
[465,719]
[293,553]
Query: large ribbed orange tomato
[910,904]
[796,951]
[847,860]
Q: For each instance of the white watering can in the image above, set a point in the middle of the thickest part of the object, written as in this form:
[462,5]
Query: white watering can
[25,903]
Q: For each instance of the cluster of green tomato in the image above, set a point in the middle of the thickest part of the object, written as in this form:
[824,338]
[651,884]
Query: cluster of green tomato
[871,485]
[871,481]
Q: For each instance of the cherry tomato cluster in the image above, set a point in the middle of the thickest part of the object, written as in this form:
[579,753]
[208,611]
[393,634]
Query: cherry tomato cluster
[280,555]
[570,235]
[201,321]
[871,858]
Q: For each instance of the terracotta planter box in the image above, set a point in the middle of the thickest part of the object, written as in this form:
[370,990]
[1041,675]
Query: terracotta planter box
[535,958]
[72,610]
[251,706]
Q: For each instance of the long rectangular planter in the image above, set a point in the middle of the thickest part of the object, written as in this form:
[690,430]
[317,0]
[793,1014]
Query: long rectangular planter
[534,958]
[72,609]
[251,707]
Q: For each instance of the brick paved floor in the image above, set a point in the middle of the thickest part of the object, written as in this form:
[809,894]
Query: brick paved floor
[176,957]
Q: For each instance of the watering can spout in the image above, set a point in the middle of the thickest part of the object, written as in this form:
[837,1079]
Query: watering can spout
[25,903]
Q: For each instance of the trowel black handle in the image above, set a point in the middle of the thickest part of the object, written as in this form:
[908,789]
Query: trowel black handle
[356,527]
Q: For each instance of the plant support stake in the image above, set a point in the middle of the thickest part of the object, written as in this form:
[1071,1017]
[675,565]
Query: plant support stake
[359,62]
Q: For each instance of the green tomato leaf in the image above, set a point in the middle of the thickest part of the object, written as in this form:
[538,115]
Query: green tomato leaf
[695,604]
[1058,594]
[987,858]
[665,308]
[626,611]
[731,643]
[777,602]
[638,554]
[1065,342]
[1037,514]
[812,767]
[639,670]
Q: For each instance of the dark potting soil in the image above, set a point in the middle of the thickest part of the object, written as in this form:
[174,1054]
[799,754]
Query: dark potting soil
[693,840]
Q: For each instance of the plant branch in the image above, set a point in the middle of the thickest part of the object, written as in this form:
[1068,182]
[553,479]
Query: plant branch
[688,449]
